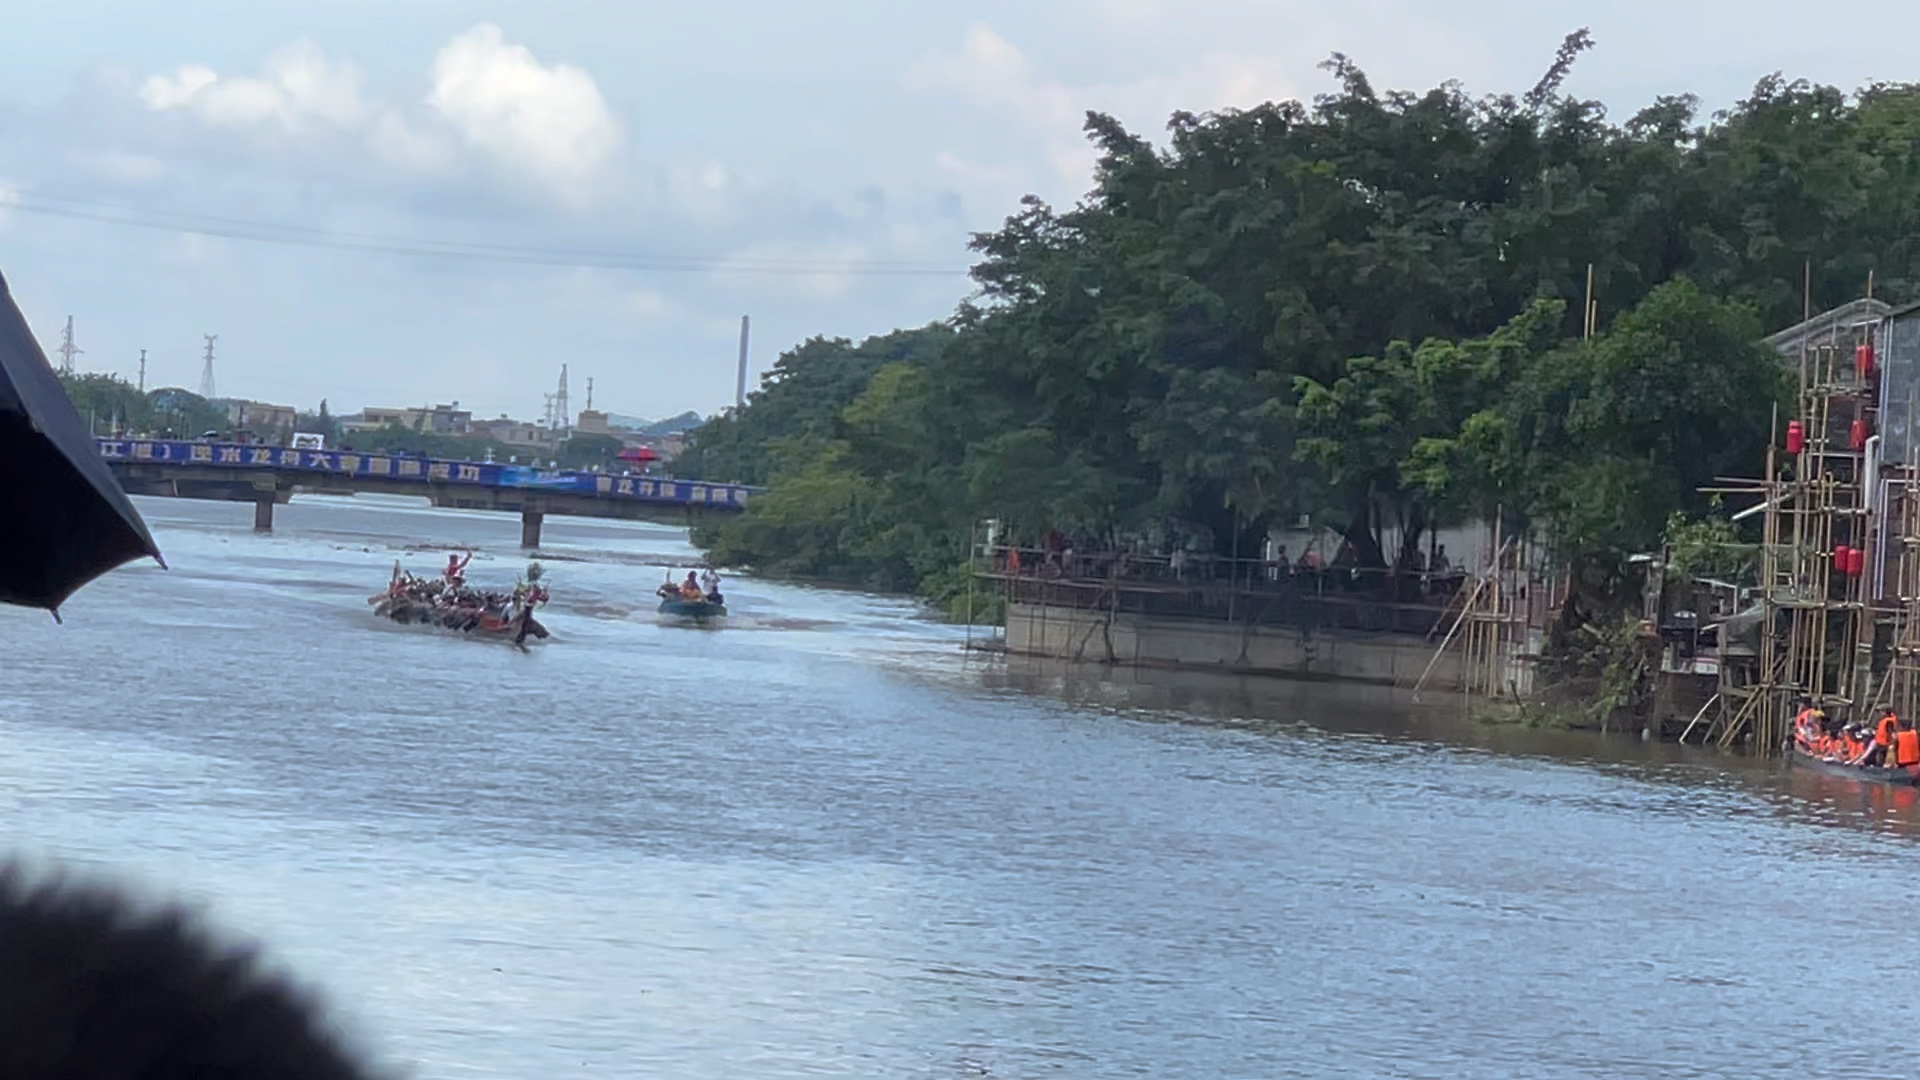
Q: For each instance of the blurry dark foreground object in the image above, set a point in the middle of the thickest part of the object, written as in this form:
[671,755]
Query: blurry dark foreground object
[94,988]
[67,520]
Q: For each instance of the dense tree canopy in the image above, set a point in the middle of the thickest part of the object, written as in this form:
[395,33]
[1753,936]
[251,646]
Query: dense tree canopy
[1369,308]
[108,401]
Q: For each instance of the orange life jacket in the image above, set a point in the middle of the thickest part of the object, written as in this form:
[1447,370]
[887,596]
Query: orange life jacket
[1906,748]
[1883,732]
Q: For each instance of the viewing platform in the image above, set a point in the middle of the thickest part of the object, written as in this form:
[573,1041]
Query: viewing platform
[265,475]
[1411,628]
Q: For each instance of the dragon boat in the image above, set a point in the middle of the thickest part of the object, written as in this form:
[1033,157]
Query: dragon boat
[448,603]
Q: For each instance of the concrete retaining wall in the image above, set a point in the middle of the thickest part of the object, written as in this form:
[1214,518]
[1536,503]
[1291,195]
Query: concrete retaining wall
[1152,641]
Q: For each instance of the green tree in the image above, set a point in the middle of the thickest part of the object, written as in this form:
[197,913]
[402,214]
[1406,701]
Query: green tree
[108,400]
[588,451]
[1677,392]
[802,394]
[1378,431]
[184,414]
[319,422]
[404,439]
[1371,307]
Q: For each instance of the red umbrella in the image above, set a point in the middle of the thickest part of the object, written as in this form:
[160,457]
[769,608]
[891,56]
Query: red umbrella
[639,453]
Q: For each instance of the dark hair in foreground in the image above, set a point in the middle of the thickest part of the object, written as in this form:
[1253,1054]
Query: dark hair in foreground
[94,987]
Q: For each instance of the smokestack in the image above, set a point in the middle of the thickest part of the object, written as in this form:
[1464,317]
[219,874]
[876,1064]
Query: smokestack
[740,388]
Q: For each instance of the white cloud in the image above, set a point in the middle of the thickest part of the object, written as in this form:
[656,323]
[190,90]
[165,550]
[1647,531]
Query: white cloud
[1215,70]
[547,123]
[990,70]
[550,121]
[298,86]
[699,188]
[412,148]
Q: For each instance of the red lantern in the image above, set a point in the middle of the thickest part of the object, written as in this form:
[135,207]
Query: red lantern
[1863,360]
[1841,559]
[1856,561]
[1857,435]
[1796,437]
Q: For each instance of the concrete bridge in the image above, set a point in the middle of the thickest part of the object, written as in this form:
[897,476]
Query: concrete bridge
[266,475]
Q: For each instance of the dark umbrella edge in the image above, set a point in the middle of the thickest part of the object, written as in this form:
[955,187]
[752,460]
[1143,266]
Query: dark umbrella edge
[72,522]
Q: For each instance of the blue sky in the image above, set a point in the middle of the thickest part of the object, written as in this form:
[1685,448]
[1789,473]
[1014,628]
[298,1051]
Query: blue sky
[842,150]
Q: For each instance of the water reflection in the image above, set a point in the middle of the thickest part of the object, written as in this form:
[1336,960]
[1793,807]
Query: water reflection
[1712,781]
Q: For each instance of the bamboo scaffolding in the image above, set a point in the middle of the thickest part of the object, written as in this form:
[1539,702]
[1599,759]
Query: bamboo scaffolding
[1819,503]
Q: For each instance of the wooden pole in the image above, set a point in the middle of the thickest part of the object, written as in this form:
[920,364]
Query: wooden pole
[972,535]
[1586,309]
[1479,585]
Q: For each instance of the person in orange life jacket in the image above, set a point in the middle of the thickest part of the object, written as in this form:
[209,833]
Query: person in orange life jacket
[1807,728]
[1884,730]
[1856,743]
[1826,734]
[1906,745]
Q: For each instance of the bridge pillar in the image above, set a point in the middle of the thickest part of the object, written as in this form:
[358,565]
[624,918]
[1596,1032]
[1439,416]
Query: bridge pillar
[263,513]
[530,528]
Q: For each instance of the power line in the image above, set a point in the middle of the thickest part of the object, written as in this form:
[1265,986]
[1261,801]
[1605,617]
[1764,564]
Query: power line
[63,203]
[300,236]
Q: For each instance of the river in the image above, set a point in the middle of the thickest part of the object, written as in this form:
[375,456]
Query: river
[825,842]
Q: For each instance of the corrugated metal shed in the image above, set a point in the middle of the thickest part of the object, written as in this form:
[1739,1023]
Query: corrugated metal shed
[1828,325]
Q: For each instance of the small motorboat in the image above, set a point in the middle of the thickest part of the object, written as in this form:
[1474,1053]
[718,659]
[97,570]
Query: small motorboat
[698,610]
[690,603]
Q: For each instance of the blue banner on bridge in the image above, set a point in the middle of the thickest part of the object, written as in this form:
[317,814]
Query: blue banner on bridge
[424,470]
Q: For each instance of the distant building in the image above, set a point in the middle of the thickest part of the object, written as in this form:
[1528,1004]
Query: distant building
[1897,339]
[440,419]
[593,422]
[371,418]
[259,417]
[513,432]
[668,447]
